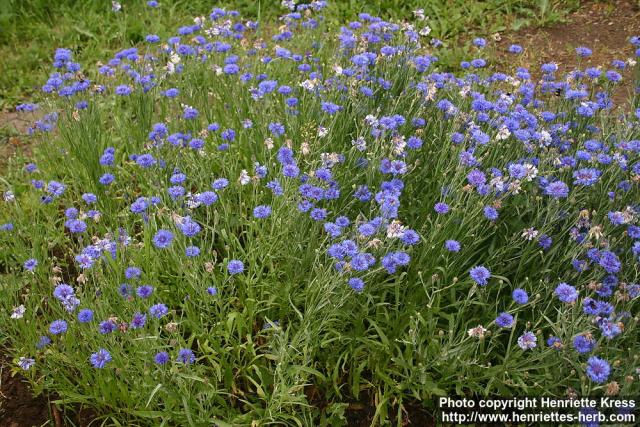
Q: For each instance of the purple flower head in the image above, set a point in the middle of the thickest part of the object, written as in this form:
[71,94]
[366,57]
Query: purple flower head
[162,239]
[58,327]
[100,358]
[441,208]
[490,213]
[557,190]
[452,245]
[186,356]
[566,293]
[144,291]
[356,284]
[504,320]
[527,341]
[30,264]
[85,315]
[584,343]
[158,311]
[520,296]
[480,275]
[161,358]
[235,266]
[610,262]
[598,370]
[262,211]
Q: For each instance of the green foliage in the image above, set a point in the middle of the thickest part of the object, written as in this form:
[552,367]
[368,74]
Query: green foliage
[31,29]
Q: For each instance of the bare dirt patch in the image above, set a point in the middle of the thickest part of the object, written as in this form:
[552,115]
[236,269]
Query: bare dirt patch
[18,406]
[603,26]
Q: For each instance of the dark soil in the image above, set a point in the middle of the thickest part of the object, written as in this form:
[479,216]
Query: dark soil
[18,406]
[603,26]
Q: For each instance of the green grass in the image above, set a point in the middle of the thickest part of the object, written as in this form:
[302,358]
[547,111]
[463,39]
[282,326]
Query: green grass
[31,29]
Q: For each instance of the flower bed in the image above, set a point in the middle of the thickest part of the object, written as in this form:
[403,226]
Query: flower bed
[235,224]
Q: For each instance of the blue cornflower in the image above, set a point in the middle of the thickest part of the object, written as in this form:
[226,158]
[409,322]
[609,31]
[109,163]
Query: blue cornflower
[410,237]
[452,245]
[586,176]
[161,358]
[476,177]
[162,239]
[480,275]
[89,198]
[76,225]
[584,343]
[100,358]
[557,190]
[613,76]
[583,51]
[555,343]
[342,221]
[189,227]
[171,92]
[43,341]
[356,284]
[318,214]
[520,296]
[515,49]
[441,208]
[220,183]
[545,241]
[490,213]
[207,198]
[186,356]
[55,188]
[138,321]
[504,320]
[330,108]
[235,266]
[190,113]
[277,129]
[192,251]
[107,326]
[58,327]
[616,218]
[132,273]
[123,90]
[158,310]
[106,179]
[479,42]
[527,341]
[145,160]
[610,262]
[361,262]
[85,315]
[566,293]
[144,291]
[63,291]
[598,369]
[393,260]
[262,211]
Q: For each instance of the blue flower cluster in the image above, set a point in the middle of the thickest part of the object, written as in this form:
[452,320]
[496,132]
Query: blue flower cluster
[382,174]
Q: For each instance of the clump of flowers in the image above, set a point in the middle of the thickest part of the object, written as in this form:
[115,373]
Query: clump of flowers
[195,188]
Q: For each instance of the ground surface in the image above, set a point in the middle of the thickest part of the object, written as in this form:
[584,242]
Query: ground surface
[605,27]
